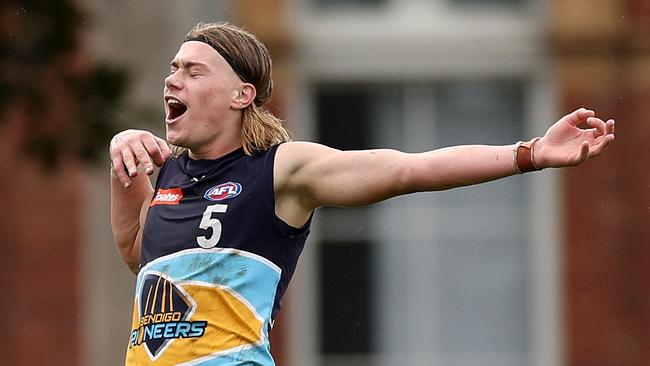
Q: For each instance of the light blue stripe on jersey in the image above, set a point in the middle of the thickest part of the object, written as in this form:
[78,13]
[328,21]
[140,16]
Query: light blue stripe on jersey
[256,356]
[253,277]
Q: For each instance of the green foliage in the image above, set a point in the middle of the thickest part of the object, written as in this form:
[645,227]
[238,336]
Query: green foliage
[68,106]
[98,95]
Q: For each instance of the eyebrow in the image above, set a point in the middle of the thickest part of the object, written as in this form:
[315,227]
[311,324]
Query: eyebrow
[188,64]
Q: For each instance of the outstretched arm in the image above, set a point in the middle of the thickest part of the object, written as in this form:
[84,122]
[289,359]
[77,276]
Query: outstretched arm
[312,175]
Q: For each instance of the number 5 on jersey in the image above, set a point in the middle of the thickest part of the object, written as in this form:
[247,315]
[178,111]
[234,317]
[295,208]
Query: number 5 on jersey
[207,222]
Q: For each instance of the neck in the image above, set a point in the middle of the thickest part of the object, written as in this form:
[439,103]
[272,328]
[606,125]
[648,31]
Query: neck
[216,152]
[226,141]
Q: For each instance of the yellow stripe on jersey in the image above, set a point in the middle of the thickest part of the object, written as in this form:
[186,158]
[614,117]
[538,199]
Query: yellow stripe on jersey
[231,325]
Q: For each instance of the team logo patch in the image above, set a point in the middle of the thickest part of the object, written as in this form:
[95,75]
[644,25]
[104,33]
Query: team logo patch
[164,312]
[171,196]
[223,191]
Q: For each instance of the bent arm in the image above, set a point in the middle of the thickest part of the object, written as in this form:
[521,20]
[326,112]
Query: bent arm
[128,210]
[131,190]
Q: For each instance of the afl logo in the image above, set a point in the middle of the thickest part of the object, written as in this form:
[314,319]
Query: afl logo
[223,191]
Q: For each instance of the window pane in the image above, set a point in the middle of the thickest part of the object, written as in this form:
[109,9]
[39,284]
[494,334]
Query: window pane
[486,112]
[343,117]
[483,296]
[453,266]
[482,246]
[345,271]
[346,314]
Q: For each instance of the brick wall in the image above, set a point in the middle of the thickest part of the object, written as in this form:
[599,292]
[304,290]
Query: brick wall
[603,61]
[39,228]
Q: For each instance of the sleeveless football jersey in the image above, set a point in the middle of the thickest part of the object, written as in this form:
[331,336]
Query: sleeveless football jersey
[214,265]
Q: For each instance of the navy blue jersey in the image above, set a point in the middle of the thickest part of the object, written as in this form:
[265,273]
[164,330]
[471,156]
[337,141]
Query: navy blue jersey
[215,263]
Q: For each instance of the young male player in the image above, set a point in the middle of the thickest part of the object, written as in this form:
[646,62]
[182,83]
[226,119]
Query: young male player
[216,241]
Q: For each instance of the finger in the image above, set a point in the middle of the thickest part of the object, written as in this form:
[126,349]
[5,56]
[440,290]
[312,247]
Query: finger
[164,148]
[579,116]
[610,126]
[153,152]
[118,168]
[598,124]
[584,113]
[130,163]
[143,157]
[601,146]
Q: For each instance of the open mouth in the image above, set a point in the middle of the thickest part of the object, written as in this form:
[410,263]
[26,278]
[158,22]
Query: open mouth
[176,108]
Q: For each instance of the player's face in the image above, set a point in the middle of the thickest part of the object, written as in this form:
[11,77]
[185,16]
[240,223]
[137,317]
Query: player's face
[198,95]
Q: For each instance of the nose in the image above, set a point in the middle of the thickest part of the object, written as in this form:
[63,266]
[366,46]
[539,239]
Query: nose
[172,81]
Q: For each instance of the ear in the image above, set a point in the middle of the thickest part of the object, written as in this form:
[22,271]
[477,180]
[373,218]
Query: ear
[244,97]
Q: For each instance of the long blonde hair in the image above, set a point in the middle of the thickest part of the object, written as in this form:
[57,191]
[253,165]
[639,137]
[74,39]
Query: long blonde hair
[251,61]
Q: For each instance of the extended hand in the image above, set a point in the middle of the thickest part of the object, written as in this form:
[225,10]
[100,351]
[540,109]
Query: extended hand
[130,148]
[566,144]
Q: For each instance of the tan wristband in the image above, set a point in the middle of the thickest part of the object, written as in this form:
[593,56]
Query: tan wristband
[524,156]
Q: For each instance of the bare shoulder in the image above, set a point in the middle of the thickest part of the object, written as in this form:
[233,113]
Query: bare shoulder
[290,169]
[292,162]
[301,150]
[294,155]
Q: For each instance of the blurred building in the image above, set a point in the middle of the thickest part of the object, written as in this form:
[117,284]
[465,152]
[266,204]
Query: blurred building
[549,268]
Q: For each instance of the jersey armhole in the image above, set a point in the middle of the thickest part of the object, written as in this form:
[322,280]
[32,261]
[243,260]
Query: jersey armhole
[269,198]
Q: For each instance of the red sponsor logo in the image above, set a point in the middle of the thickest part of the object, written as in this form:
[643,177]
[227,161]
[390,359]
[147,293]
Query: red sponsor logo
[171,196]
